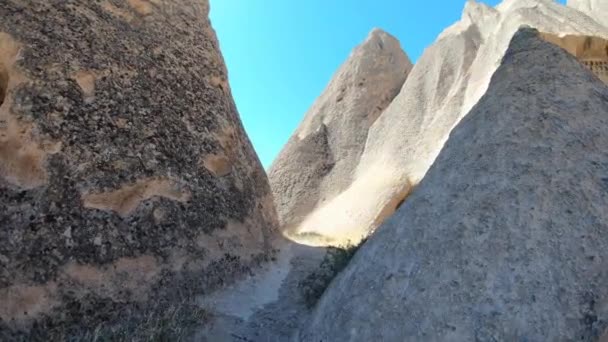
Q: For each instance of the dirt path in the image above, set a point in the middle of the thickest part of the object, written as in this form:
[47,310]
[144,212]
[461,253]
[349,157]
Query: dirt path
[267,306]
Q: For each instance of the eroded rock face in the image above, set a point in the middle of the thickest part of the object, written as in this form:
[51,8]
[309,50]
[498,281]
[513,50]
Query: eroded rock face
[318,162]
[127,182]
[505,237]
[446,82]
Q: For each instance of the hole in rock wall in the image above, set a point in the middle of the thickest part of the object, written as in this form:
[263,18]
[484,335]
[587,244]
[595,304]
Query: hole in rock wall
[592,52]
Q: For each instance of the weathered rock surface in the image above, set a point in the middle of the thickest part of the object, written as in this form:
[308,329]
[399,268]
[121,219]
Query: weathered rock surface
[505,237]
[127,182]
[597,9]
[319,160]
[446,82]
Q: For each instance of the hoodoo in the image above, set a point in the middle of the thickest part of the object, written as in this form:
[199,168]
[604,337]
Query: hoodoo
[319,161]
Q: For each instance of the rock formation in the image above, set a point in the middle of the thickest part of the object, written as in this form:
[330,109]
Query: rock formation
[505,237]
[319,160]
[446,82]
[127,182]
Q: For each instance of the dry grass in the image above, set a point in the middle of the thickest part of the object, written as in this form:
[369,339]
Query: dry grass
[177,323]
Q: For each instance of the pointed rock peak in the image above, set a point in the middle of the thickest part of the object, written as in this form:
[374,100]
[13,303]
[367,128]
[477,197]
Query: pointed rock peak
[474,13]
[380,39]
[378,32]
[508,5]
[476,10]
[379,42]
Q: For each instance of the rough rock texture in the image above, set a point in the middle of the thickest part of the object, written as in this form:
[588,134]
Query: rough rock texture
[127,183]
[318,161]
[446,82]
[505,238]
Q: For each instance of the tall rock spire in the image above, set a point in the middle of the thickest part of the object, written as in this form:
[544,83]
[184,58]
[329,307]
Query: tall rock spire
[318,161]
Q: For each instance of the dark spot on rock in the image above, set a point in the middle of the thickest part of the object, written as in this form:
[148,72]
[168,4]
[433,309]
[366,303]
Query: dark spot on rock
[590,319]
[605,183]
[3,82]
[400,203]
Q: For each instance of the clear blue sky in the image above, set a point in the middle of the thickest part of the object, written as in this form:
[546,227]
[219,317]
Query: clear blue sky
[282,53]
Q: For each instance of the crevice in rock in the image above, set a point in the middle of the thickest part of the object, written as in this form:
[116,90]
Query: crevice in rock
[3,82]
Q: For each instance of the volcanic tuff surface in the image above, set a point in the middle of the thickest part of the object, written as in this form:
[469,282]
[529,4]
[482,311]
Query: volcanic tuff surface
[319,160]
[505,237]
[128,185]
[127,182]
[403,141]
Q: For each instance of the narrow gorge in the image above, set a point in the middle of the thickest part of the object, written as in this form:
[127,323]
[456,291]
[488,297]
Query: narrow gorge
[463,197]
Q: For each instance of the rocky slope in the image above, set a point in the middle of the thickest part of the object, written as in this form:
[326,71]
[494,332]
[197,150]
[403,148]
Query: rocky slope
[127,183]
[448,79]
[505,237]
[319,160]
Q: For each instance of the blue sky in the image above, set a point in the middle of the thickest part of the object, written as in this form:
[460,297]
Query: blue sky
[282,53]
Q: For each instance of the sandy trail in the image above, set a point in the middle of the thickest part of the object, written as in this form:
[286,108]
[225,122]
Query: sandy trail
[267,306]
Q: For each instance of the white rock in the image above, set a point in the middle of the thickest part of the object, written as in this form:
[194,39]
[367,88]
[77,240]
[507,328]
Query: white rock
[319,160]
[443,86]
